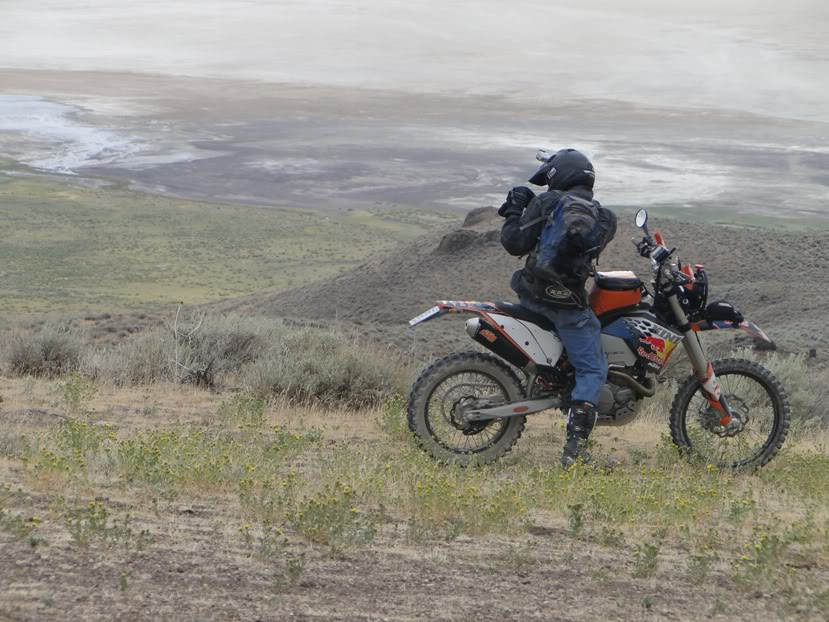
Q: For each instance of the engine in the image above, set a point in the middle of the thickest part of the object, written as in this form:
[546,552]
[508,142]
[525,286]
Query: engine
[617,405]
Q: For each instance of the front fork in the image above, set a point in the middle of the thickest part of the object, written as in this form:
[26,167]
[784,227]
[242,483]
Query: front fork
[702,366]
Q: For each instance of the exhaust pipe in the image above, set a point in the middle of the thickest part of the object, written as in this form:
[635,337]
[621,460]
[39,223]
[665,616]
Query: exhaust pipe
[648,390]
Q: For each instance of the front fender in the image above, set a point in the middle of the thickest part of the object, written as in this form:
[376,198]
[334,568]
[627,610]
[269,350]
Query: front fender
[748,327]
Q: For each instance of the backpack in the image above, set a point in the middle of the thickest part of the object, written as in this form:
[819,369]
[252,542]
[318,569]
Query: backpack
[576,231]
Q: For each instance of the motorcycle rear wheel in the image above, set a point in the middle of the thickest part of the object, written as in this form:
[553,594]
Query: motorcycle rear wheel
[750,388]
[445,384]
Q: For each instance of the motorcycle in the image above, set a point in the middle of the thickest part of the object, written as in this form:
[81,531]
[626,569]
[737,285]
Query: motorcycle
[471,407]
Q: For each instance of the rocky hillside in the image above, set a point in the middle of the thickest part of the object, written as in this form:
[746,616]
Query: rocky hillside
[776,278]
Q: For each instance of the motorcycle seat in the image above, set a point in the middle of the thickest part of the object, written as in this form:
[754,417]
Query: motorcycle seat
[617,281]
[522,313]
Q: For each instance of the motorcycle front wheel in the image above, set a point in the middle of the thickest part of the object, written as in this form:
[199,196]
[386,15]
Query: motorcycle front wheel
[758,400]
[440,391]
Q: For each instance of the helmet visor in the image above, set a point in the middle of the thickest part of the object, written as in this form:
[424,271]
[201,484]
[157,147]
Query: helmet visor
[542,175]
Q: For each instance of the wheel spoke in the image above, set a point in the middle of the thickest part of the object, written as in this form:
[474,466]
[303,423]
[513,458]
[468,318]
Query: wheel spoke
[449,396]
[754,405]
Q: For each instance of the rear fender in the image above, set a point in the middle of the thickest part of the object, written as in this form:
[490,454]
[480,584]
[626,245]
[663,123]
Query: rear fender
[521,343]
[444,307]
[483,329]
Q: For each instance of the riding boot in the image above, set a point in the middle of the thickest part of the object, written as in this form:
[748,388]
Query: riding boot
[580,422]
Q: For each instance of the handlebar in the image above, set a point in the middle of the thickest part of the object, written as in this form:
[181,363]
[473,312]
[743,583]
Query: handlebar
[651,250]
[660,257]
[669,278]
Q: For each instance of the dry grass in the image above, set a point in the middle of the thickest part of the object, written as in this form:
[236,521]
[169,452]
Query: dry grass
[266,357]
[300,501]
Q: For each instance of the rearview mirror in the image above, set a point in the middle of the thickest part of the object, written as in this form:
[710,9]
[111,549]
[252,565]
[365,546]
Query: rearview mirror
[542,156]
[642,218]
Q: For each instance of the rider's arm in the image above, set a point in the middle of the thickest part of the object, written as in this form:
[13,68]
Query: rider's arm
[517,238]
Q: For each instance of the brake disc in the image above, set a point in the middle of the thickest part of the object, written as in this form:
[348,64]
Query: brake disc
[459,419]
[710,418]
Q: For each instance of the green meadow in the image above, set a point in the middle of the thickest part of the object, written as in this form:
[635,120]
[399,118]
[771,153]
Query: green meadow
[68,246]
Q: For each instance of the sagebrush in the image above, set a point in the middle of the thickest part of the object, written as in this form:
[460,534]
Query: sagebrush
[49,351]
[264,357]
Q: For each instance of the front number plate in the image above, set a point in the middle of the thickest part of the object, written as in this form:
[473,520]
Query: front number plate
[424,316]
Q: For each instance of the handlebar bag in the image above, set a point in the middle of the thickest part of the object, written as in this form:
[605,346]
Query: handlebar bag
[722,311]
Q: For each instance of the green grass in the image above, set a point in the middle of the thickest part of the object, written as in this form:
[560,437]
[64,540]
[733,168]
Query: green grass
[67,247]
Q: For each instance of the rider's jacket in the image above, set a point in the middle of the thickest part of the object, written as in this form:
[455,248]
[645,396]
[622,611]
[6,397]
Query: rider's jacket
[519,236]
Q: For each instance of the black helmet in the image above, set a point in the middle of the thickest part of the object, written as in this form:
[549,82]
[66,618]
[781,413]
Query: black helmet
[565,169]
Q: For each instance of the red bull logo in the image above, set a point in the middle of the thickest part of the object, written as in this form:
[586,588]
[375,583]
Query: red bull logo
[660,349]
[657,343]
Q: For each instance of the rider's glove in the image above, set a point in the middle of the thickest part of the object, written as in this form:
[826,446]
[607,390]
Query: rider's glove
[520,196]
[644,248]
[506,207]
[517,201]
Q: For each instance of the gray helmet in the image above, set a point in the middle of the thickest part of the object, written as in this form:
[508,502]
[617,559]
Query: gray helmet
[565,169]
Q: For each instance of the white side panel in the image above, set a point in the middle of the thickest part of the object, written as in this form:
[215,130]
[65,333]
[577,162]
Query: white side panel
[549,343]
[617,351]
[543,346]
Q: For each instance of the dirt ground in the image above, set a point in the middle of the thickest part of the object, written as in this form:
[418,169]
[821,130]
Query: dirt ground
[193,573]
[196,567]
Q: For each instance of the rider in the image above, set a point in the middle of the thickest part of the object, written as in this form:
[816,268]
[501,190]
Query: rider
[560,297]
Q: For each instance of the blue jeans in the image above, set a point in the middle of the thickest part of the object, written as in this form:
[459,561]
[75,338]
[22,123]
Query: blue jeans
[581,335]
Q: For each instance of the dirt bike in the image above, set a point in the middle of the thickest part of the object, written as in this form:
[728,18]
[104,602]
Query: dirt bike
[471,407]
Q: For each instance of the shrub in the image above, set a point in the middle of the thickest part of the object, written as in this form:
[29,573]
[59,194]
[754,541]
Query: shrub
[216,346]
[329,366]
[806,388]
[267,357]
[332,518]
[68,447]
[78,391]
[139,360]
[203,351]
[93,523]
[243,411]
[49,352]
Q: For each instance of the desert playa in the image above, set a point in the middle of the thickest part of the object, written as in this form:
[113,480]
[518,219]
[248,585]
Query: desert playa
[345,102]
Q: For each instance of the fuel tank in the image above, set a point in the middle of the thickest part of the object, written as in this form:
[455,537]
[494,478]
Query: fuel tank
[615,290]
[639,337]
